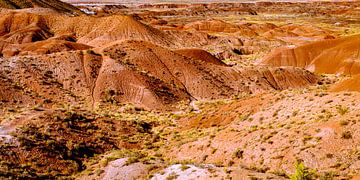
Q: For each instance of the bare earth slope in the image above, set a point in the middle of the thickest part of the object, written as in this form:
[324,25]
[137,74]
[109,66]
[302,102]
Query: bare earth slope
[146,75]
[52,4]
[199,79]
[328,56]
[23,27]
[351,84]
[271,132]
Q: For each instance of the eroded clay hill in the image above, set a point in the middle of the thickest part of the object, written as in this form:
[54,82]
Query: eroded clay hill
[101,31]
[199,54]
[338,56]
[144,74]
[51,4]
[19,29]
[287,32]
[200,79]
[219,26]
[27,33]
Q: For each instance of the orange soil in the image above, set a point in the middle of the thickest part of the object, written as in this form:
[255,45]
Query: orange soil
[338,56]
[351,84]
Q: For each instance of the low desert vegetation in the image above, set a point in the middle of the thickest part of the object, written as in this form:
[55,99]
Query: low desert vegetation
[302,172]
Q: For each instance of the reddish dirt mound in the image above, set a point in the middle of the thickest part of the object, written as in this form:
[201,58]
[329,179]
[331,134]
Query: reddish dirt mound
[351,84]
[52,4]
[51,46]
[101,31]
[144,74]
[220,26]
[328,56]
[212,26]
[197,78]
[199,54]
[87,78]
[160,22]
[43,47]
[308,31]
[289,33]
[19,28]
[23,32]
[282,78]
[292,32]
[22,27]
[262,28]
[278,33]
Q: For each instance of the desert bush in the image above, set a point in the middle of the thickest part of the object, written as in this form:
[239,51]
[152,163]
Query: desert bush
[342,109]
[346,135]
[238,153]
[302,172]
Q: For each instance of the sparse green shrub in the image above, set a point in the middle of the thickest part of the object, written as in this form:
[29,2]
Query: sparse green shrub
[302,172]
[342,109]
[294,113]
[205,157]
[238,153]
[344,122]
[136,157]
[172,176]
[213,151]
[184,167]
[346,135]
[92,52]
